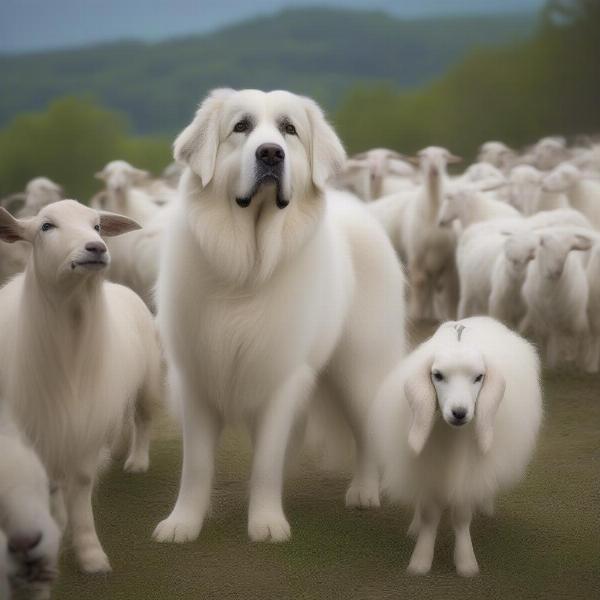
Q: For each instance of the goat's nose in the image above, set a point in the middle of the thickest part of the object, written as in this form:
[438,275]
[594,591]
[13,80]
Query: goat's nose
[24,542]
[96,247]
[459,413]
[270,154]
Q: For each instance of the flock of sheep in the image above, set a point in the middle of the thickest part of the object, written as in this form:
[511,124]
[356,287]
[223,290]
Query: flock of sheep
[513,237]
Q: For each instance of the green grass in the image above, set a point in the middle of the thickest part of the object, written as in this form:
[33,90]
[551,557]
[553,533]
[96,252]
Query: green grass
[543,542]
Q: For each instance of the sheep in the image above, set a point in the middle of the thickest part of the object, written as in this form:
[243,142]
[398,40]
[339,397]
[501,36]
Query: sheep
[31,535]
[366,174]
[429,248]
[79,358]
[506,303]
[525,184]
[549,152]
[582,191]
[556,292]
[39,192]
[470,204]
[484,379]
[497,154]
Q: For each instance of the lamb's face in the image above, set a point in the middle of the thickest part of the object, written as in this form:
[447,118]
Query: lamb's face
[549,152]
[433,161]
[119,176]
[40,192]
[457,375]
[554,249]
[519,250]
[450,208]
[495,153]
[67,242]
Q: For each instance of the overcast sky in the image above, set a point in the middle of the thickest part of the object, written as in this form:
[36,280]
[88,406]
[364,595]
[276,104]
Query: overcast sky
[40,24]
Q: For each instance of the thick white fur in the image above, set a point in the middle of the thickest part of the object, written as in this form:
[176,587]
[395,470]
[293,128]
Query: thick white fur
[430,248]
[433,465]
[556,293]
[259,305]
[25,515]
[79,359]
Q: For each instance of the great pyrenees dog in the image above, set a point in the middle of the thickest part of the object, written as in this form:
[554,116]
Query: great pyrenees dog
[268,288]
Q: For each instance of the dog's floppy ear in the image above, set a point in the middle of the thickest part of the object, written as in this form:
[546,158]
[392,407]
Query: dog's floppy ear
[421,397]
[197,145]
[490,396]
[112,224]
[327,153]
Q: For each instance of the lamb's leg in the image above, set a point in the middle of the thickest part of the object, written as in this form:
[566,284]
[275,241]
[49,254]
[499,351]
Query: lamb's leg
[415,524]
[273,428]
[422,556]
[553,351]
[201,430]
[464,556]
[421,294]
[591,358]
[138,460]
[88,550]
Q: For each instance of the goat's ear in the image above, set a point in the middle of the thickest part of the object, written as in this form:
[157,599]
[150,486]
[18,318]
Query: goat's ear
[11,229]
[327,153]
[197,145]
[400,166]
[421,397]
[490,396]
[112,224]
[581,242]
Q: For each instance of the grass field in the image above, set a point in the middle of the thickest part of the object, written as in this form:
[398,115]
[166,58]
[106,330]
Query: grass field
[543,542]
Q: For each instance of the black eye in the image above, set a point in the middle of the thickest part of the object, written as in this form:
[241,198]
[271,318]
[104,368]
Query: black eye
[241,126]
[47,226]
[290,129]
[97,227]
[478,378]
[438,376]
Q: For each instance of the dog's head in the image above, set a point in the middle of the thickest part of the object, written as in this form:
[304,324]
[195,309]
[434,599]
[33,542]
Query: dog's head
[246,142]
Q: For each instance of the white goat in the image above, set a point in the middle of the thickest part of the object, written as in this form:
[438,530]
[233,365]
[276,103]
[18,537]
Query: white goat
[79,358]
[429,248]
[485,380]
[508,275]
[32,535]
[556,292]
[390,212]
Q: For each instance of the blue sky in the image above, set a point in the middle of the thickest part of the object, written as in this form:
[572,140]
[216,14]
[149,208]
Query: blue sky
[40,24]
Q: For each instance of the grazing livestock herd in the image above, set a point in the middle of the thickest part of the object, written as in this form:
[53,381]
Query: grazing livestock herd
[261,280]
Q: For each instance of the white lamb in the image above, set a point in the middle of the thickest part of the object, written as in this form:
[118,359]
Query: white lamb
[582,190]
[506,302]
[556,293]
[39,192]
[31,535]
[429,248]
[497,154]
[79,358]
[454,425]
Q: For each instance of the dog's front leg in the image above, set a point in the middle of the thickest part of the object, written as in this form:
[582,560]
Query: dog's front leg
[266,520]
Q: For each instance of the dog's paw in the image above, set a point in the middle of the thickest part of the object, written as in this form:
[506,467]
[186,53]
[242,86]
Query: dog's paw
[268,526]
[363,496]
[94,560]
[177,530]
[137,464]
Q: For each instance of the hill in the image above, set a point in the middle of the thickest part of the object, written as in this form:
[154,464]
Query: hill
[319,52]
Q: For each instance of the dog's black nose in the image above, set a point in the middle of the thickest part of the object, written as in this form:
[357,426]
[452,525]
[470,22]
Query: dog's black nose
[23,543]
[96,248]
[459,413]
[270,154]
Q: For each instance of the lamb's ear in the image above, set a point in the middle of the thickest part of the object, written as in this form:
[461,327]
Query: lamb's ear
[100,175]
[11,229]
[197,145]
[490,396]
[581,242]
[327,153]
[112,224]
[421,397]
[139,175]
[452,159]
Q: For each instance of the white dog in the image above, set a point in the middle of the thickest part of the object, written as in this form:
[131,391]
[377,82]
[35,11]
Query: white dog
[267,288]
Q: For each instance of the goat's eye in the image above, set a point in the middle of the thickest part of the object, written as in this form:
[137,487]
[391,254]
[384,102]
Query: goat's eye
[478,378]
[97,227]
[290,129]
[47,226]
[438,376]
[241,126]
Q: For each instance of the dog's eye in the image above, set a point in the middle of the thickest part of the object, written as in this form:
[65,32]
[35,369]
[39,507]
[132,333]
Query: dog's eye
[438,376]
[241,126]
[97,227]
[478,378]
[47,226]
[290,129]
